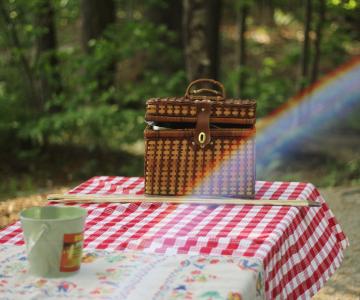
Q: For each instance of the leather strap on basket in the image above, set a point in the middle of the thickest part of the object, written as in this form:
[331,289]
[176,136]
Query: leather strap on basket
[192,93]
[202,136]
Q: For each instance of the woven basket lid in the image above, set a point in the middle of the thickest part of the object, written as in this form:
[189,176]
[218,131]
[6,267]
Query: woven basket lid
[184,109]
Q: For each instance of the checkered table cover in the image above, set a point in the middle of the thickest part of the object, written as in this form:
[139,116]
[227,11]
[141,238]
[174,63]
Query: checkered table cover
[300,247]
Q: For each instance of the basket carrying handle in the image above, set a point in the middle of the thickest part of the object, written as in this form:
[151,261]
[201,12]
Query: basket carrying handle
[196,94]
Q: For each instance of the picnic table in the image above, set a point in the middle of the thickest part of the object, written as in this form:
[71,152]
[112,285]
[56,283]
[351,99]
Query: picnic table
[185,251]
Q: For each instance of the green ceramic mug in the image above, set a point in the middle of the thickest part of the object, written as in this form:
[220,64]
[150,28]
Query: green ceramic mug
[54,239]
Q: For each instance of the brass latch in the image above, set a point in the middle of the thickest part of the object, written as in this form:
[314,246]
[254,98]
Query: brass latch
[202,131]
[202,137]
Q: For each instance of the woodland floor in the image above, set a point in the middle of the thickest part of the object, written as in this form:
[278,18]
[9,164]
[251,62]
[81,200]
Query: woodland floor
[345,283]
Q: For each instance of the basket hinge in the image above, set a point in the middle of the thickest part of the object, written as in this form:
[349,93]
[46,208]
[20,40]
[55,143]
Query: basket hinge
[202,135]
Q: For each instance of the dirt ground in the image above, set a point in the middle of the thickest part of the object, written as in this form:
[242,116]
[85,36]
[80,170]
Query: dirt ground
[343,201]
[345,283]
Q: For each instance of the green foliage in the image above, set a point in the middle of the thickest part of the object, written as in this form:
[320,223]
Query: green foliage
[269,90]
[342,173]
[97,112]
[97,98]
[93,108]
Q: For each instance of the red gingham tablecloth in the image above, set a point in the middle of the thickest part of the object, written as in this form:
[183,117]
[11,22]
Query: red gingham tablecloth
[300,247]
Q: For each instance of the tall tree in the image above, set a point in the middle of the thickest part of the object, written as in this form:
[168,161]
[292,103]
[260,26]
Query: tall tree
[242,13]
[317,44]
[46,46]
[201,22]
[305,58]
[14,42]
[264,11]
[168,14]
[96,16]
[213,33]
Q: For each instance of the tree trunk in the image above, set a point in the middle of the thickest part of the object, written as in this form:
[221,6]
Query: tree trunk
[214,15]
[317,50]
[169,14]
[14,41]
[201,20]
[96,16]
[264,12]
[242,14]
[306,45]
[46,46]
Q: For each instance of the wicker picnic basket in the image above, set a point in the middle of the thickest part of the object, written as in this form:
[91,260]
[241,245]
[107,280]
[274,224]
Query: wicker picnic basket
[200,144]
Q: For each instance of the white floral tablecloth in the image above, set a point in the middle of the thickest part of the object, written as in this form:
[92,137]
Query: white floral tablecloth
[135,275]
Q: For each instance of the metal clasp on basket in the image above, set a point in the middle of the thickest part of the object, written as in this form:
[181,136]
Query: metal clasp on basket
[202,136]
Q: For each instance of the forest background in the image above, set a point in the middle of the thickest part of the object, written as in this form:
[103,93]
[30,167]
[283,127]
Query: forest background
[75,75]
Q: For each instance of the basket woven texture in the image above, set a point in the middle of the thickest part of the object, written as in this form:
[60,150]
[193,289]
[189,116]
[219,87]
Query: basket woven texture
[174,165]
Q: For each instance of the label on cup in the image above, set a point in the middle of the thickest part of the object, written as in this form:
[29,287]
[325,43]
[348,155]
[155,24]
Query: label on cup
[71,252]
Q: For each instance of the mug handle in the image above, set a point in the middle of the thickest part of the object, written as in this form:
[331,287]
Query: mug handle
[32,243]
